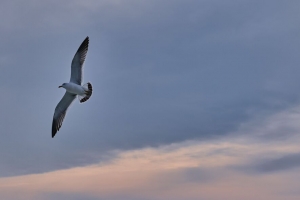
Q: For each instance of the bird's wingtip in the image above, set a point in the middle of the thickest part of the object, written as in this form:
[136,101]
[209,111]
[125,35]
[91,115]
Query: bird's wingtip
[54,131]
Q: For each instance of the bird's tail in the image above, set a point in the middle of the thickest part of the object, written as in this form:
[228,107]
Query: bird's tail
[88,92]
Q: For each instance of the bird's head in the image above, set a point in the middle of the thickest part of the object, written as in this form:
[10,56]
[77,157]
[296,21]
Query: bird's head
[63,85]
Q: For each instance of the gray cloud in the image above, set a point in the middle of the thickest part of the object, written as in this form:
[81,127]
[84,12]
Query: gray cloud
[282,163]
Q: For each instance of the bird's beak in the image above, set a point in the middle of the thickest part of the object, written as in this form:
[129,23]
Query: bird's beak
[59,86]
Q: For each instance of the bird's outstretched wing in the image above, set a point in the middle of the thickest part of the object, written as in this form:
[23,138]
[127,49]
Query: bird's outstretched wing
[61,110]
[77,62]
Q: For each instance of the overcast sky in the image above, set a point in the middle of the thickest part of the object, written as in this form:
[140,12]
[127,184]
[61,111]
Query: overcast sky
[193,99]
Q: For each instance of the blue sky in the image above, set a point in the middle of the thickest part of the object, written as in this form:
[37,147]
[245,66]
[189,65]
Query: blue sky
[217,80]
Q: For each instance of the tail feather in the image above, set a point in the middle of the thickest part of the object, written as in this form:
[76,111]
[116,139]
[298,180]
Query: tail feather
[88,92]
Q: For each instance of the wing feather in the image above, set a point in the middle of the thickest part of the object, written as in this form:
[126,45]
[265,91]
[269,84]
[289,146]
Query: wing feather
[60,111]
[77,62]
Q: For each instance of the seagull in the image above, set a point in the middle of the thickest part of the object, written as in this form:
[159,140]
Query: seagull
[73,88]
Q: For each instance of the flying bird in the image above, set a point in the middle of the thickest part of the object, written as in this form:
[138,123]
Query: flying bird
[73,88]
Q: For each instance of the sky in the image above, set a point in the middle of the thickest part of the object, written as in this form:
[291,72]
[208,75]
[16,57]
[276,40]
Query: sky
[194,99]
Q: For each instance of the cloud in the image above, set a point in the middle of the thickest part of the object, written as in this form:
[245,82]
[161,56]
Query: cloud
[286,162]
[184,170]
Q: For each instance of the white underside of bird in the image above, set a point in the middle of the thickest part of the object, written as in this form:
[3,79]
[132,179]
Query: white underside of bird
[76,89]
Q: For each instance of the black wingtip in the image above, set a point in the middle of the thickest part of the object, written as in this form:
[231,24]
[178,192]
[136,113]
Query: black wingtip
[84,46]
[86,40]
[54,129]
[53,134]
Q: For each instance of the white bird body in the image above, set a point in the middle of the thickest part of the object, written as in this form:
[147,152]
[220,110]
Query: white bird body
[73,88]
